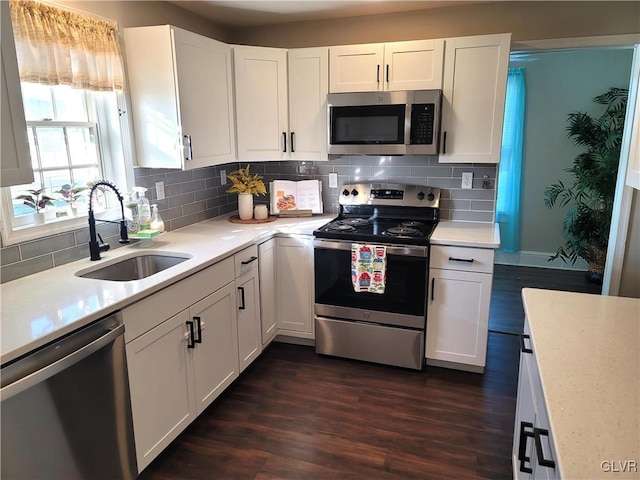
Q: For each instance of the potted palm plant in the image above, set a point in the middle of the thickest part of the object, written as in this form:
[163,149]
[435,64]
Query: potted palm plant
[590,196]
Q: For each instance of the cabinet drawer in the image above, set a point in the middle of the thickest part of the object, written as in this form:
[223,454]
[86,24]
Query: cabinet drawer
[462,258]
[144,315]
[246,259]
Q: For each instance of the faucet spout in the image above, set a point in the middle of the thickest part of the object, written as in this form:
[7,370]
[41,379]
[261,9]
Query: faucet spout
[94,247]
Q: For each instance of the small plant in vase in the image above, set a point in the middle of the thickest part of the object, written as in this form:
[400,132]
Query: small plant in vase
[37,200]
[246,186]
[70,194]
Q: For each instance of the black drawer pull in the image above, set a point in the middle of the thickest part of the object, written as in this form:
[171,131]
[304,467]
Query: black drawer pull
[522,447]
[537,433]
[523,347]
[467,260]
[247,262]
[191,340]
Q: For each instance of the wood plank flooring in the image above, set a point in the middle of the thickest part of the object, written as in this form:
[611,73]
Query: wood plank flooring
[294,414]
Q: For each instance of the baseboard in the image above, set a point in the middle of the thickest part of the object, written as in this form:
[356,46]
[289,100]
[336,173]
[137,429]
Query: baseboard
[537,259]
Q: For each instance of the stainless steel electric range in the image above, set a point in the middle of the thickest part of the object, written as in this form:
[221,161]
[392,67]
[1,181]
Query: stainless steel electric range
[387,324]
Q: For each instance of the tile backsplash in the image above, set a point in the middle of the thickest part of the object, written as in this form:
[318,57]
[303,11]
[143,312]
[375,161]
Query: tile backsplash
[196,195]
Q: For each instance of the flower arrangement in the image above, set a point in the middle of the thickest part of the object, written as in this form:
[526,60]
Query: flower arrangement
[36,199]
[71,193]
[244,182]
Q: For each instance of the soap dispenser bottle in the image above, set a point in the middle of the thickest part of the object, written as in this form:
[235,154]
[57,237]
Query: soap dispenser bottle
[144,209]
[156,220]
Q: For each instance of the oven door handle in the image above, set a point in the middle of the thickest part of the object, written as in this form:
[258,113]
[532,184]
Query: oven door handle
[407,251]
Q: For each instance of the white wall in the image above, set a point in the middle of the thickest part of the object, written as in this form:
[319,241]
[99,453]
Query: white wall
[559,83]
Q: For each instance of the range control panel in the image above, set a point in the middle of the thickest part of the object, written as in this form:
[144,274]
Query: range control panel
[389,194]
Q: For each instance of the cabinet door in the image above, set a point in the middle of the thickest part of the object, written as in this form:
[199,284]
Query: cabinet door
[523,456]
[161,383]
[356,68]
[308,88]
[294,273]
[267,270]
[181,98]
[413,65]
[261,103]
[249,330]
[15,157]
[215,357]
[204,77]
[474,87]
[458,316]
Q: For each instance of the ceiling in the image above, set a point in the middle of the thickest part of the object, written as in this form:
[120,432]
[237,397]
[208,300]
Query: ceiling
[252,13]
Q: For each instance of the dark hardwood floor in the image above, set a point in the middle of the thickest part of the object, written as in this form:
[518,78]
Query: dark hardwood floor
[296,415]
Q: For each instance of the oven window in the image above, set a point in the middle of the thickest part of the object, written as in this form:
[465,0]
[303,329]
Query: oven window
[405,290]
[367,124]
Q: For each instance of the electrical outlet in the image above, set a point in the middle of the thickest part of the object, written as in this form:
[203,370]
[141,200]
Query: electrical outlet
[160,190]
[333,180]
[223,177]
[467,179]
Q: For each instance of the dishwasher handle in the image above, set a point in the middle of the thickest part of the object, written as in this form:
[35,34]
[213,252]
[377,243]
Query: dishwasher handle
[49,368]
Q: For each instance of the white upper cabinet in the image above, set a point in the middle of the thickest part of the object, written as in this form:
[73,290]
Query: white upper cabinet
[308,88]
[261,103]
[181,96]
[474,88]
[280,115]
[15,161]
[414,65]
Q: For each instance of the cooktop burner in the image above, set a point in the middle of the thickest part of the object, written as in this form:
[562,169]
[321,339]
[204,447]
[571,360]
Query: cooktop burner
[339,227]
[403,231]
[412,224]
[354,222]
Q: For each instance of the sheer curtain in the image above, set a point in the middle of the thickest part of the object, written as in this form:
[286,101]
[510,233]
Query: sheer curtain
[510,171]
[60,47]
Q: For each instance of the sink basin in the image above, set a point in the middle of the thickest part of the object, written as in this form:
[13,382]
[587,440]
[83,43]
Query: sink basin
[134,267]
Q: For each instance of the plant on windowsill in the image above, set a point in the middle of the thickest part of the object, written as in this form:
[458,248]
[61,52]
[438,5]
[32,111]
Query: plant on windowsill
[71,193]
[37,200]
[586,224]
[246,186]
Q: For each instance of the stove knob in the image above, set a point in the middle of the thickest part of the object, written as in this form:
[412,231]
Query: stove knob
[421,196]
[345,192]
[354,192]
[431,197]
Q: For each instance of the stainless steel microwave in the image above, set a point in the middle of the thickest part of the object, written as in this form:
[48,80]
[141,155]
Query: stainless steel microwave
[384,123]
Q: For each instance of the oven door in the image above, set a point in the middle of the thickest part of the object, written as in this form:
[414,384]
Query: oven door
[403,302]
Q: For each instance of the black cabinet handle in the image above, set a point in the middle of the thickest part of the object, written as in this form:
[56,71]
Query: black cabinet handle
[292,149]
[247,262]
[284,141]
[522,447]
[467,260]
[433,284]
[191,339]
[378,74]
[537,433]
[444,143]
[387,73]
[523,347]
[242,304]
[199,324]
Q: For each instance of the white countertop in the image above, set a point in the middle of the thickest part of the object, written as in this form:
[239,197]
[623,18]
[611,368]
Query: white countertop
[466,234]
[40,308]
[587,349]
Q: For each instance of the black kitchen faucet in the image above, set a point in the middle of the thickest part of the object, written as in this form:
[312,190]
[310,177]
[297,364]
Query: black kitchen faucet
[94,247]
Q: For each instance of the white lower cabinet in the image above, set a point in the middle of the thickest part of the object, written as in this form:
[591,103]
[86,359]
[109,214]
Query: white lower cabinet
[178,366]
[460,281]
[248,306]
[533,453]
[294,286]
[267,271]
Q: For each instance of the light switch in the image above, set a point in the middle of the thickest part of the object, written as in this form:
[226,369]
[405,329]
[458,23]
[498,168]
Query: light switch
[467,179]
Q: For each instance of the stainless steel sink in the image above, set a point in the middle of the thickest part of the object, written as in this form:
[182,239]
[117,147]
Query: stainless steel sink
[134,267]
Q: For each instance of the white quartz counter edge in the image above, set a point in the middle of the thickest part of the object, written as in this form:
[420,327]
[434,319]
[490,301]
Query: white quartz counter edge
[466,234]
[42,307]
[587,350]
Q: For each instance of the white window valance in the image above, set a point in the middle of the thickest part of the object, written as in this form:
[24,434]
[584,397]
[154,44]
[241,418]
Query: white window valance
[59,47]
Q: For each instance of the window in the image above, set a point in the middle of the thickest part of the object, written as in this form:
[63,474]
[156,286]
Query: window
[72,87]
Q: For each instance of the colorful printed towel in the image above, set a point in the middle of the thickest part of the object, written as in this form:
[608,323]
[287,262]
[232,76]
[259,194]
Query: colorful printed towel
[368,267]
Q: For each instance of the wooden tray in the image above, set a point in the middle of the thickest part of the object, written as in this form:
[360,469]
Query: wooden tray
[236,219]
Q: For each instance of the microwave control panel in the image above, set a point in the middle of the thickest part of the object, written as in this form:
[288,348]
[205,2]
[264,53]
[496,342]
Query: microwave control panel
[422,122]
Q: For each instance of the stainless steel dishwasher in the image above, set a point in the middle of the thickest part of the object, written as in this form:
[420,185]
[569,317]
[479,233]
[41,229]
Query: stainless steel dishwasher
[66,410]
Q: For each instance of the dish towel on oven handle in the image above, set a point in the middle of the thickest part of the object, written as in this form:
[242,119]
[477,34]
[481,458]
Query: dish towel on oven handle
[368,267]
